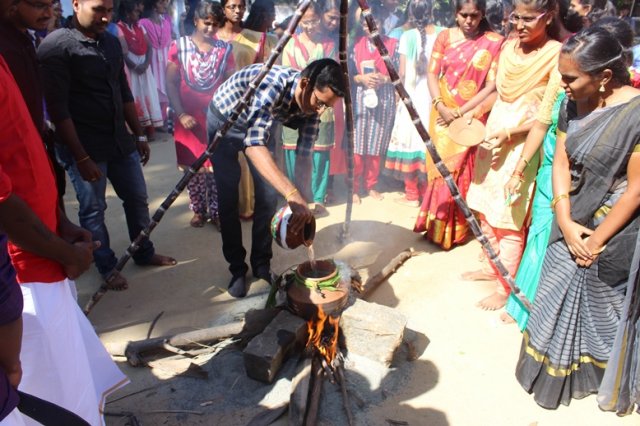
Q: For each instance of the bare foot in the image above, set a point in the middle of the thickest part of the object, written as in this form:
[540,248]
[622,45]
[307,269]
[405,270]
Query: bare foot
[117,283]
[375,195]
[356,199]
[478,275]
[160,260]
[493,302]
[505,318]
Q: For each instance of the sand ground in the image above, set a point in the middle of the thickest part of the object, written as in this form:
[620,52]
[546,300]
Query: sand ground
[464,374]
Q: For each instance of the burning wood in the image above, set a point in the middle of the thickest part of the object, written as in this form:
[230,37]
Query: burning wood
[325,361]
[325,343]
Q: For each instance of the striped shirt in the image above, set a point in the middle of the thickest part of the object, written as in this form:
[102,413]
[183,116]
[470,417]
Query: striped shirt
[273,100]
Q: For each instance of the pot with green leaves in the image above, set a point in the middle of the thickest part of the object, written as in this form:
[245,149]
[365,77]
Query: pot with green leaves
[316,285]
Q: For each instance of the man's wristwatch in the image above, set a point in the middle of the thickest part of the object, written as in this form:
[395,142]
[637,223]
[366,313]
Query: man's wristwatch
[142,139]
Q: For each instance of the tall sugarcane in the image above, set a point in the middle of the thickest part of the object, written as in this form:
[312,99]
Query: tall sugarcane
[193,169]
[374,35]
[348,111]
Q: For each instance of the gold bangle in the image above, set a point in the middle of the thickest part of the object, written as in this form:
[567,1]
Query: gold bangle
[508,133]
[525,161]
[82,160]
[458,113]
[437,100]
[293,191]
[556,199]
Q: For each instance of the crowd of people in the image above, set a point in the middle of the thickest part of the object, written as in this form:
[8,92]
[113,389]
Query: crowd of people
[554,183]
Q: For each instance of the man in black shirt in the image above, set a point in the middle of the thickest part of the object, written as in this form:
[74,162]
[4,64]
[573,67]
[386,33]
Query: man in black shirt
[89,101]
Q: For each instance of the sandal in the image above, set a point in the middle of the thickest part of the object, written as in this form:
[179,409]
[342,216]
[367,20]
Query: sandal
[197,221]
[320,211]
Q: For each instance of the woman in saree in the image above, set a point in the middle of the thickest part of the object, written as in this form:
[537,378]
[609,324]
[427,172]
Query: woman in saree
[310,44]
[198,64]
[526,65]
[461,75]
[249,47]
[528,274]
[596,187]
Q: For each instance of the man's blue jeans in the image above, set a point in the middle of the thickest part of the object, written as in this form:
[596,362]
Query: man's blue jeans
[125,175]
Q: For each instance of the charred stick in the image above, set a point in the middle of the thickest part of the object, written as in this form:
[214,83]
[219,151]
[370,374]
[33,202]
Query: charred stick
[317,378]
[374,35]
[134,350]
[328,370]
[345,395]
[373,282]
[193,169]
[300,385]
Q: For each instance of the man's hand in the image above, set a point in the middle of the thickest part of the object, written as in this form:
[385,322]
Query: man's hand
[89,170]
[301,215]
[79,258]
[144,151]
[70,232]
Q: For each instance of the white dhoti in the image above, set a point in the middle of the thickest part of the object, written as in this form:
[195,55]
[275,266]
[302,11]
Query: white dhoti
[63,360]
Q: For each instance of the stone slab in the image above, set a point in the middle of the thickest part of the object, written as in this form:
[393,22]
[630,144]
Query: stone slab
[372,330]
[266,352]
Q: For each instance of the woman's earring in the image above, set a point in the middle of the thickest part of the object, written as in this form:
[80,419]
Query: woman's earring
[601,88]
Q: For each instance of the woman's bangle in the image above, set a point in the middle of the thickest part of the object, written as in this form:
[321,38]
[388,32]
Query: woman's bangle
[556,199]
[507,132]
[436,101]
[458,113]
[519,175]
[181,115]
[293,191]
[525,161]
[82,160]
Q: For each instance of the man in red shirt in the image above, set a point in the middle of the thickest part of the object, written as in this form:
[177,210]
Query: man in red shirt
[77,379]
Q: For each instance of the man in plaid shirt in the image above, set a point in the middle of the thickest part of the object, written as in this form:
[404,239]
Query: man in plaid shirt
[294,98]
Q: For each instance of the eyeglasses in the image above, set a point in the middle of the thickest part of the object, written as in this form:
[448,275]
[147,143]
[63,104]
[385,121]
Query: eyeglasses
[526,20]
[320,106]
[474,15]
[39,6]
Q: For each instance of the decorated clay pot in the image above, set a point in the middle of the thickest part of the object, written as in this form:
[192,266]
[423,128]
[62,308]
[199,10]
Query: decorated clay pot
[315,287]
[282,234]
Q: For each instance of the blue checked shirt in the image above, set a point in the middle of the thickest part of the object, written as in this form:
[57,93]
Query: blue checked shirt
[273,100]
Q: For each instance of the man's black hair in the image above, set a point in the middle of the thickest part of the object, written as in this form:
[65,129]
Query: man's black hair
[325,73]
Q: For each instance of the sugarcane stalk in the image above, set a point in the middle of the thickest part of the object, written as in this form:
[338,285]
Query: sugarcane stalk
[348,111]
[193,169]
[374,36]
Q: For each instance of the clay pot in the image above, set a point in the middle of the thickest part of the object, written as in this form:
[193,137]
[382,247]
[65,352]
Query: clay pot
[305,299]
[284,237]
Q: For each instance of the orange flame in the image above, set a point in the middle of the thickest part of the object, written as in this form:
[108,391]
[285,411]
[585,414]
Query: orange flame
[327,346]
